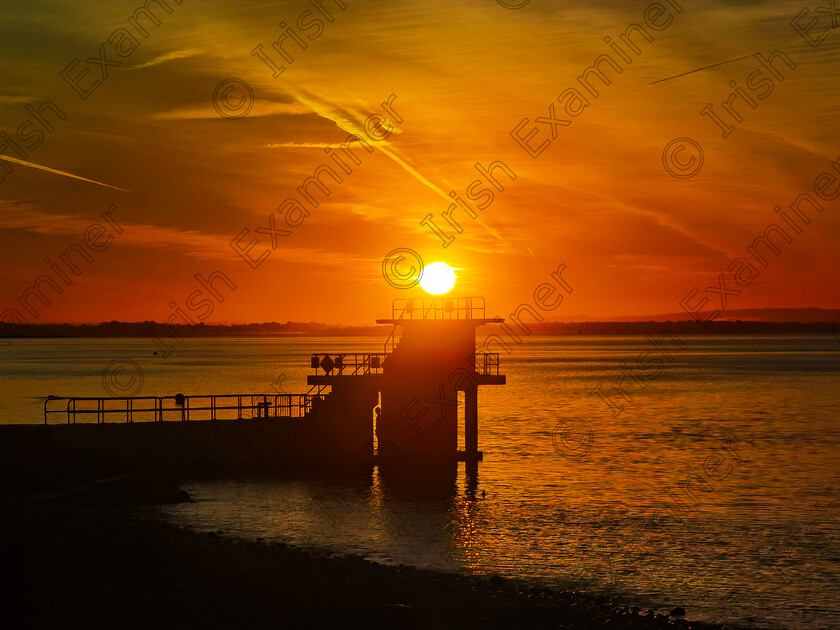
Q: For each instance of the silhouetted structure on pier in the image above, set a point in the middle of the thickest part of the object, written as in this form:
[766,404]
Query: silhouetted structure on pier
[427,378]
[435,363]
[429,361]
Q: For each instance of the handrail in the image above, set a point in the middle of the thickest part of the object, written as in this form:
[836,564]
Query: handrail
[486,363]
[392,337]
[439,308]
[245,405]
[318,389]
[348,364]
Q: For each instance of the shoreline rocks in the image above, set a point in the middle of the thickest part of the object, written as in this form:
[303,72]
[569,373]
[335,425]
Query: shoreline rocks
[66,566]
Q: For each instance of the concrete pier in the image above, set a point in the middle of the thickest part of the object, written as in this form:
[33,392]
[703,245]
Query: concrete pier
[410,391]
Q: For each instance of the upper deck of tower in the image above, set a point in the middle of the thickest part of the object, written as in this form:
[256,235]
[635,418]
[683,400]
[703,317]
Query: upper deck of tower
[457,309]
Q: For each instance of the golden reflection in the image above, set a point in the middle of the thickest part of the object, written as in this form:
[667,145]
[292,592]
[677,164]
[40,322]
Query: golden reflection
[468,535]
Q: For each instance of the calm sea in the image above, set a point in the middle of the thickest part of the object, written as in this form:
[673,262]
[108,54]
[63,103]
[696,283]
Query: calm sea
[715,488]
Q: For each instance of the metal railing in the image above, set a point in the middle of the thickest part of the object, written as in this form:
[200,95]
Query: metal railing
[394,337]
[438,308]
[486,363]
[182,408]
[318,390]
[349,364]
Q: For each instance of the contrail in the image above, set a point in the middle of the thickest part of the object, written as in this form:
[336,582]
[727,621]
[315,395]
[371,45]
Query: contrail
[715,65]
[52,170]
[393,154]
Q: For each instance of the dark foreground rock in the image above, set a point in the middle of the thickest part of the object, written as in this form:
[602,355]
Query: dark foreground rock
[72,567]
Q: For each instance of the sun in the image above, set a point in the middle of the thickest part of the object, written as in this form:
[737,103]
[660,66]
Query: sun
[437,278]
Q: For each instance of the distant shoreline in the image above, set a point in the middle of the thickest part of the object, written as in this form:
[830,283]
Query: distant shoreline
[292,329]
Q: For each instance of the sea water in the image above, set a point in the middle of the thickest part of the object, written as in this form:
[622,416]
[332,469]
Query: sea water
[712,486]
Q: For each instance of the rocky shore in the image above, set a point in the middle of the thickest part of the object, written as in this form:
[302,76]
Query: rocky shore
[72,566]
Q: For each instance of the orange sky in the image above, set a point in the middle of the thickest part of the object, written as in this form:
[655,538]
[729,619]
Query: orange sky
[635,239]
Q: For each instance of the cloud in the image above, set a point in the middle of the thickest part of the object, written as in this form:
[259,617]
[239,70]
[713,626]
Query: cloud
[353,122]
[171,56]
[296,145]
[200,112]
[23,215]
[57,172]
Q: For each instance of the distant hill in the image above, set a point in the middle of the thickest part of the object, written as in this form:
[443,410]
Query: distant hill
[680,328]
[142,329]
[744,321]
[776,315]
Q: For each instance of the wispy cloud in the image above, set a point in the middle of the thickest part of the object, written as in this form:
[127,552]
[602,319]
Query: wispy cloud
[201,112]
[25,216]
[296,145]
[341,117]
[714,65]
[20,215]
[170,56]
[57,172]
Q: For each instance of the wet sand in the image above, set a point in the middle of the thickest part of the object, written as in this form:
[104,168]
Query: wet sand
[64,565]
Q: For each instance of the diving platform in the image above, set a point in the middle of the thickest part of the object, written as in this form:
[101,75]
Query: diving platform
[358,367]
[412,407]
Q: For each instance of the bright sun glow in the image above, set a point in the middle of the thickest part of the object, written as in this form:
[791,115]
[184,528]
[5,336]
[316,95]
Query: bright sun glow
[437,278]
